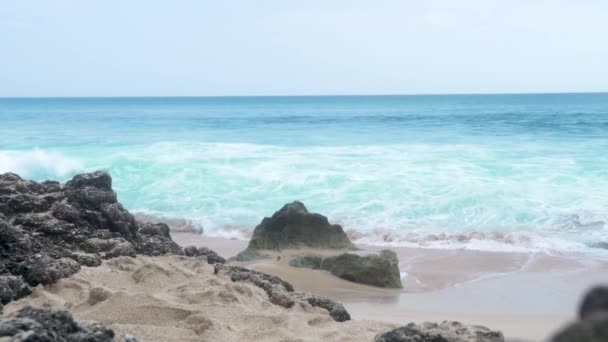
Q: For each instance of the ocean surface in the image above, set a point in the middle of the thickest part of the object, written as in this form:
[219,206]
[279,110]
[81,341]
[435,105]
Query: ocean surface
[497,172]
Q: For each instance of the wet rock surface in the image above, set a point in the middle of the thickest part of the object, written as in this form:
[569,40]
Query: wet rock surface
[380,269]
[48,325]
[293,226]
[281,292]
[447,331]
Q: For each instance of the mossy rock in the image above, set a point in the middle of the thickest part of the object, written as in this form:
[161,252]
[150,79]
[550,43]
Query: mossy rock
[294,227]
[376,269]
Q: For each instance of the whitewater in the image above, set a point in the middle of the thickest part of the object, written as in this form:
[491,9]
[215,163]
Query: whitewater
[491,172]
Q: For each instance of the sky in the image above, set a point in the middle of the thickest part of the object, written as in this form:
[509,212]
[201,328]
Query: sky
[308,47]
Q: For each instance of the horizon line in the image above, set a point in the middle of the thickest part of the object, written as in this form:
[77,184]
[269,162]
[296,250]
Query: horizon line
[302,95]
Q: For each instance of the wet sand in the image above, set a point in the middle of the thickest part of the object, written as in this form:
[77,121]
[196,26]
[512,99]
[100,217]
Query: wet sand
[526,295]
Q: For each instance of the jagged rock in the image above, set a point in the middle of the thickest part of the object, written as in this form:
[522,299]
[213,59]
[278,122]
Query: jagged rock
[42,269]
[448,331]
[90,260]
[119,219]
[122,249]
[281,292]
[47,325]
[155,239]
[212,257]
[375,269]
[12,288]
[294,227]
[596,300]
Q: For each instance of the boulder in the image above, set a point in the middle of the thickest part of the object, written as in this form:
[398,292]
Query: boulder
[447,331]
[596,300]
[31,324]
[42,269]
[155,239]
[593,323]
[380,269]
[293,226]
[594,328]
[212,257]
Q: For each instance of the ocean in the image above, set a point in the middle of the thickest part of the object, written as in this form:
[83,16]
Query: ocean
[522,172]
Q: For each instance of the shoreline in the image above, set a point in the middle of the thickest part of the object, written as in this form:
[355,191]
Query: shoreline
[494,289]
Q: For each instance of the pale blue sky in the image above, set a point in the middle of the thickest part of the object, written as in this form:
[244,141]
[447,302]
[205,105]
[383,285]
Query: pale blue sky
[189,48]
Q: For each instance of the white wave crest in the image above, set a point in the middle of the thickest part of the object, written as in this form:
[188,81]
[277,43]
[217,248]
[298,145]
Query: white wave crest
[38,164]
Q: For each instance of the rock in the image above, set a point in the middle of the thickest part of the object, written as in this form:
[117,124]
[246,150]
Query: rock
[448,331]
[97,179]
[46,228]
[12,288]
[122,249]
[294,227]
[311,261]
[97,245]
[594,328]
[31,324]
[90,260]
[154,229]
[155,239]
[376,269]
[42,269]
[335,309]
[596,300]
[212,257]
[250,254]
[119,219]
[281,292]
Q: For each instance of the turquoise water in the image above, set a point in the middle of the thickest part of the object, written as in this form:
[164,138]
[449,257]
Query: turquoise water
[467,171]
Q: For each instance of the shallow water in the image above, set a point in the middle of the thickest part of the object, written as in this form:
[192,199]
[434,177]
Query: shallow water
[507,172]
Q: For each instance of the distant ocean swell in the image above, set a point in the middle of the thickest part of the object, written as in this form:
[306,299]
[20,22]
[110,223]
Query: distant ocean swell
[524,197]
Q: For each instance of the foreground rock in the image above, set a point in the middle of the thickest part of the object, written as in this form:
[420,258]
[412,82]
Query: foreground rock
[593,323]
[375,269]
[281,292]
[448,331]
[30,324]
[49,230]
[293,226]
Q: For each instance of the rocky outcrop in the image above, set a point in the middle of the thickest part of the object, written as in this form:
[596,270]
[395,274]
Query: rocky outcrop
[281,292]
[293,226]
[593,323]
[49,230]
[30,324]
[380,269]
[448,331]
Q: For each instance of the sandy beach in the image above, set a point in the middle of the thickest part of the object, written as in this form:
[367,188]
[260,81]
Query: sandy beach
[525,295]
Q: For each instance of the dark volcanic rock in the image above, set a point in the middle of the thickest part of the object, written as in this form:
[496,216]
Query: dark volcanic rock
[294,227]
[47,230]
[375,269]
[155,239]
[48,325]
[42,269]
[212,257]
[281,292]
[593,323]
[448,331]
[12,288]
[594,328]
[596,300]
